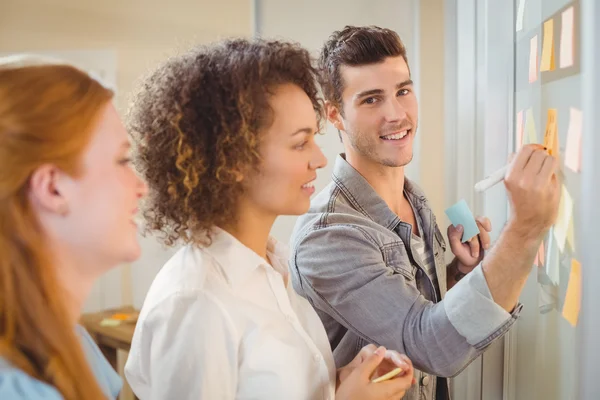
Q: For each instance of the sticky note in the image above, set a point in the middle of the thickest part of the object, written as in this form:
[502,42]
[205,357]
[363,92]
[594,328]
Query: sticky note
[110,322]
[573,148]
[460,214]
[533,59]
[566,38]
[573,298]
[548,47]
[571,236]
[547,298]
[543,278]
[519,130]
[530,127]
[520,14]
[540,257]
[552,260]
[565,213]
[551,135]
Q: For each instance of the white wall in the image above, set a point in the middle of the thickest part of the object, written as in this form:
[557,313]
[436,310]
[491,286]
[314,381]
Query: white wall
[310,22]
[143,32]
[140,33]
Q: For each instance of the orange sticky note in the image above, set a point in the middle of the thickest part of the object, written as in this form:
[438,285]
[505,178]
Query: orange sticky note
[573,149]
[548,47]
[551,135]
[539,258]
[566,38]
[573,298]
[530,127]
[533,59]
[519,130]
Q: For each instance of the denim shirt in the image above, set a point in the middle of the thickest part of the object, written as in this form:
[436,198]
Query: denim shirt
[351,258]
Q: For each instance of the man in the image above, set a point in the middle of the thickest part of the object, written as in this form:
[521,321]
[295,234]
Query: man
[369,255]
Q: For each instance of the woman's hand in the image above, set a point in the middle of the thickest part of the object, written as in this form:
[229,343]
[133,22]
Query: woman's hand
[355,379]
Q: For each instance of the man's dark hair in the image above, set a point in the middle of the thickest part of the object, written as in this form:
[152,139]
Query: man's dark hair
[354,46]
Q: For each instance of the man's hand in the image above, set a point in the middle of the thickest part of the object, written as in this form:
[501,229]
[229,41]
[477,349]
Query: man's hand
[469,254]
[533,191]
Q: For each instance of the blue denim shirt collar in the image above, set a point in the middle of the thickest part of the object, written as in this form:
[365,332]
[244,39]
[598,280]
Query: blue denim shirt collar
[367,201]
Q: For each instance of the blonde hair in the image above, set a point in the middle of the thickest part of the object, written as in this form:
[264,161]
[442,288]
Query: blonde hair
[47,113]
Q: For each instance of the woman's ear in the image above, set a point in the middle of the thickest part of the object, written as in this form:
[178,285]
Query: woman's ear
[45,190]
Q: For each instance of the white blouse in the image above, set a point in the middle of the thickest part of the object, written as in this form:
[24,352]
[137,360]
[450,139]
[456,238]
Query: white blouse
[220,323]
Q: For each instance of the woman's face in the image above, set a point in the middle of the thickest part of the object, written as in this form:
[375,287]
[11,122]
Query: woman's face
[290,156]
[94,219]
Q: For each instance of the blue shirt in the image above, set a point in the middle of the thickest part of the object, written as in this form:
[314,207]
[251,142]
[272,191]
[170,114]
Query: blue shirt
[18,385]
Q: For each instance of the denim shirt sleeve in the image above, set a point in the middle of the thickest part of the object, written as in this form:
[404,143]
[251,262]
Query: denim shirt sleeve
[473,312]
[351,282]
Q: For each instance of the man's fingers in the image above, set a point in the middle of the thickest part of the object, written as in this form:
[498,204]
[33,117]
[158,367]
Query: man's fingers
[485,226]
[474,245]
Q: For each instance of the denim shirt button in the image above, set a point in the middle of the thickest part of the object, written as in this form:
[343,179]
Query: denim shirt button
[425,380]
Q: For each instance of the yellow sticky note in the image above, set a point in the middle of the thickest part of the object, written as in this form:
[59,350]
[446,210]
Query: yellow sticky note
[548,47]
[551,135]
[565,213]
[110,322]
[573,298]
[533,59]
[566,38]
[571,236]
[519,130]
[530,127]
[573,149]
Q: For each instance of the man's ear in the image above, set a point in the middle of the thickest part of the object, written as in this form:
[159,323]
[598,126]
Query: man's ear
[334,115]
[45,190]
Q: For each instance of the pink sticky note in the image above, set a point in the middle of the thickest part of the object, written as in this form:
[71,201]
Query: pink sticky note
[533,59]
[573,149]
[519,130]
[540,258]
[566,38]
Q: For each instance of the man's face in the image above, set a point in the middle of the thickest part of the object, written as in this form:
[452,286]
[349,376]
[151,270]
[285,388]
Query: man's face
[380,112]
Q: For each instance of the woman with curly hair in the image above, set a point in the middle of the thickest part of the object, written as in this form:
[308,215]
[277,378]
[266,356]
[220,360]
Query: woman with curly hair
[226,138]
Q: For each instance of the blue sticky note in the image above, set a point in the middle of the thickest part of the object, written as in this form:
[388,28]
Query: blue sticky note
[460,214]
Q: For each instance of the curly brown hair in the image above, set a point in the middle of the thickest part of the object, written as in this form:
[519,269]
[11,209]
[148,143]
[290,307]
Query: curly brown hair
[197,123]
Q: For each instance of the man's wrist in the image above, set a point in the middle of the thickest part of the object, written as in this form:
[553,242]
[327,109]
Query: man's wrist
[456,271]
[526,237]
